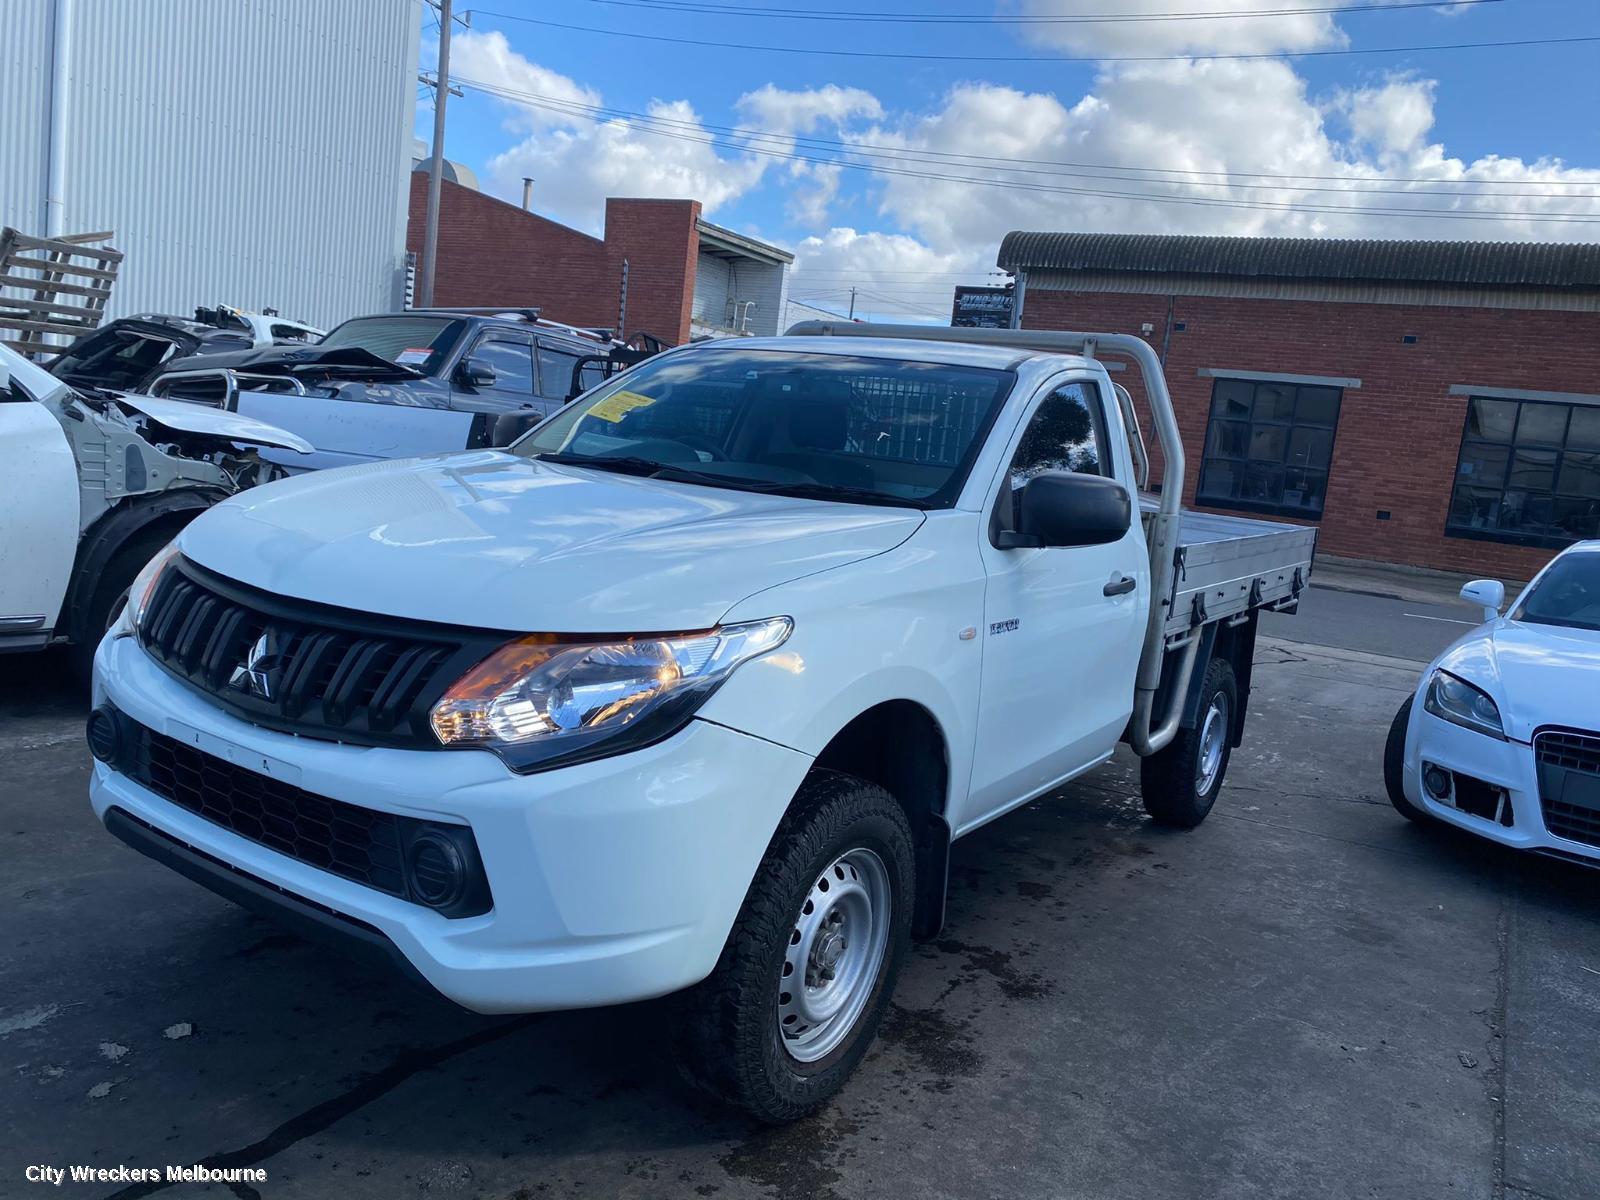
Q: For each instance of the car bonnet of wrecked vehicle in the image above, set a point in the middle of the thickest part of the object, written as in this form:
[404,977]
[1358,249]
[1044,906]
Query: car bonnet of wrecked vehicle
[127,445]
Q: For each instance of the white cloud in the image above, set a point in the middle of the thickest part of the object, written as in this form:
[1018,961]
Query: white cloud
[808,207]
[895,275]
[1244,124]
[773,108]
[577,162]
[1247,138]
[1229,35]
[1392,119]
[487,58]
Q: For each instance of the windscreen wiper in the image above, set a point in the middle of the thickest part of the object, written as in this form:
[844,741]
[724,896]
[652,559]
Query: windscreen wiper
[829,491]
[620,463]
[650,469]
[626,464]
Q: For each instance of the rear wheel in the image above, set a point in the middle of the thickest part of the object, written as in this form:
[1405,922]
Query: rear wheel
[807,972]
[1179,783]
[1394,765]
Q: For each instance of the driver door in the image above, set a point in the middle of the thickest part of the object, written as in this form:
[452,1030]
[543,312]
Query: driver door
[509,354]
[1063,625]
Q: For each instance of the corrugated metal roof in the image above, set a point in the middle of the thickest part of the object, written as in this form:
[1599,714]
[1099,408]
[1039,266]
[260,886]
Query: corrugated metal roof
[1516,264]
[741,243]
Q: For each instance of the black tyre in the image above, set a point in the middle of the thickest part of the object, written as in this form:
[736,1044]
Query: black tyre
[1394,765]
[807,972]
[1180,783]
[109,597]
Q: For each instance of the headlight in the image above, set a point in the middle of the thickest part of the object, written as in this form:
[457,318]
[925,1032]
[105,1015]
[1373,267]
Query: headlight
[143,588]
[541,700]
[1458,702]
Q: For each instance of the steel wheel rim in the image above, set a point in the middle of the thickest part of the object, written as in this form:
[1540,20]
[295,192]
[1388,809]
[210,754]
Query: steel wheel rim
[1213,744]
[831,963]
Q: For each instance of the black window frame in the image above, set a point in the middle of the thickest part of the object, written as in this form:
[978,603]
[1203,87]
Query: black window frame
[559,388]
[1251,423]
[1003,510]
[516,337]
[1511,537]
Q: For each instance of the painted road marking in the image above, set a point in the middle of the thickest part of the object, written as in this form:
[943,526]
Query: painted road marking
[1446,620]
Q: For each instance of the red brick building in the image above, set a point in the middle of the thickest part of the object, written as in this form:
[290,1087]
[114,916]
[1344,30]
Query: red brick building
[1429,403]
[660,267]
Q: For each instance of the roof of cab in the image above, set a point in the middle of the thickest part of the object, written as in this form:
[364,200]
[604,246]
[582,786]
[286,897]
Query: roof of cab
[956,354]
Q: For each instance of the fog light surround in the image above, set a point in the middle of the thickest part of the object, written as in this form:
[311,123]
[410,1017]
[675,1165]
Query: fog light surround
[1436,780]
[436,869]
[107,735]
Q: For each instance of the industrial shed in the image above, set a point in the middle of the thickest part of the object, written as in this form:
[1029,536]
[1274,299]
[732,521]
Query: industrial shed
[1434,404]
[201,135]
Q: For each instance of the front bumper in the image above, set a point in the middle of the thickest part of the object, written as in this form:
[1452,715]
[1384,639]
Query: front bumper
[1506,765]
[613,880]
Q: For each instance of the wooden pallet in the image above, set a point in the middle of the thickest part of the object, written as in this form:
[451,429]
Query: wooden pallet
[52,288]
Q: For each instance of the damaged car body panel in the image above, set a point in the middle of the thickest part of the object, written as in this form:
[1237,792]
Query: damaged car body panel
[126,353]
[114,479]
[423,381]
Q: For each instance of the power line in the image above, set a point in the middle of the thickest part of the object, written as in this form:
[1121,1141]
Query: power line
[646,126]
[1026,58]
[940,158]
[1022,19]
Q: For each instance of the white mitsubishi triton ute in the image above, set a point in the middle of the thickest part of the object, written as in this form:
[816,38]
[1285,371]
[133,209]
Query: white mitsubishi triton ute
[690,690]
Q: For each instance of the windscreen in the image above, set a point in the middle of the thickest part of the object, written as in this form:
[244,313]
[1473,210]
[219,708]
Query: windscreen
[421,343]
[870,430]
[1568,594]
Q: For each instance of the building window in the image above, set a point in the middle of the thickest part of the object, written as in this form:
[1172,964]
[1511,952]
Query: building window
[1528,472]
[1268,446]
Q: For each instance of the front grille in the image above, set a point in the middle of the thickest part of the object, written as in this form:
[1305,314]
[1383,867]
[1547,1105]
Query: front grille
[306,668]
[360,844]
[1569,783]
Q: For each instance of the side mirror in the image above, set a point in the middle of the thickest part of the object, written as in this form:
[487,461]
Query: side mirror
[1490,593]
[1064,508]
[476,373]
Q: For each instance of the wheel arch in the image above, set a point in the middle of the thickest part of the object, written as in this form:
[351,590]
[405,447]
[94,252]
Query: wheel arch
[137,517]
[901,746]
[1235,644]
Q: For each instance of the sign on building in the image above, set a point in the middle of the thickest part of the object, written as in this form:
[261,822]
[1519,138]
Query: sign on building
[982,308]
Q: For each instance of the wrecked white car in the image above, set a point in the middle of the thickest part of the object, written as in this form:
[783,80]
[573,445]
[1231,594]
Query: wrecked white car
[92,484]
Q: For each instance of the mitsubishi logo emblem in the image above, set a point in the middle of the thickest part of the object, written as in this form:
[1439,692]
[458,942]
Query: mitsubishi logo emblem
[254,674]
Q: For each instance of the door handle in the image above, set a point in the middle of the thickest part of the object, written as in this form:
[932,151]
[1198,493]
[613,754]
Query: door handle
[1120,585]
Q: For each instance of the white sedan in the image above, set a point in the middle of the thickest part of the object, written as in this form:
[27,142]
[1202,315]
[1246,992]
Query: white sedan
[1502,737]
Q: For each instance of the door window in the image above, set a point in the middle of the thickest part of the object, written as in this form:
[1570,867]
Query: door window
[1065,433]
[555,372]
[512,360]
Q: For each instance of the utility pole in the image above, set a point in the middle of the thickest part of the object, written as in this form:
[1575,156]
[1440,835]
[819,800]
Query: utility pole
[441,94]
[852,304]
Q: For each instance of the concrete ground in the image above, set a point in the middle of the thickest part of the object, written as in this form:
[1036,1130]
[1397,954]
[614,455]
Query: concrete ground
[1307,996]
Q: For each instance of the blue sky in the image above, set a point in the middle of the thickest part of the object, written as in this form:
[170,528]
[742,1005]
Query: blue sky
[1505,136]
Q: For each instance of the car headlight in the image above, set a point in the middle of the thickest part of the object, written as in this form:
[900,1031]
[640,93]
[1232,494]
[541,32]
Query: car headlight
[1457,701]
[541,701]
[143,589]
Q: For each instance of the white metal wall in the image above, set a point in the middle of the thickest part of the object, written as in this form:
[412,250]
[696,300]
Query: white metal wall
[24,112]
[718,281]
[255,152]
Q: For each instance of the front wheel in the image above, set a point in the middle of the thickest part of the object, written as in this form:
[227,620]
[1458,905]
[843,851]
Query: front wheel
[1180,782]
[1394,765]
[808,969]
